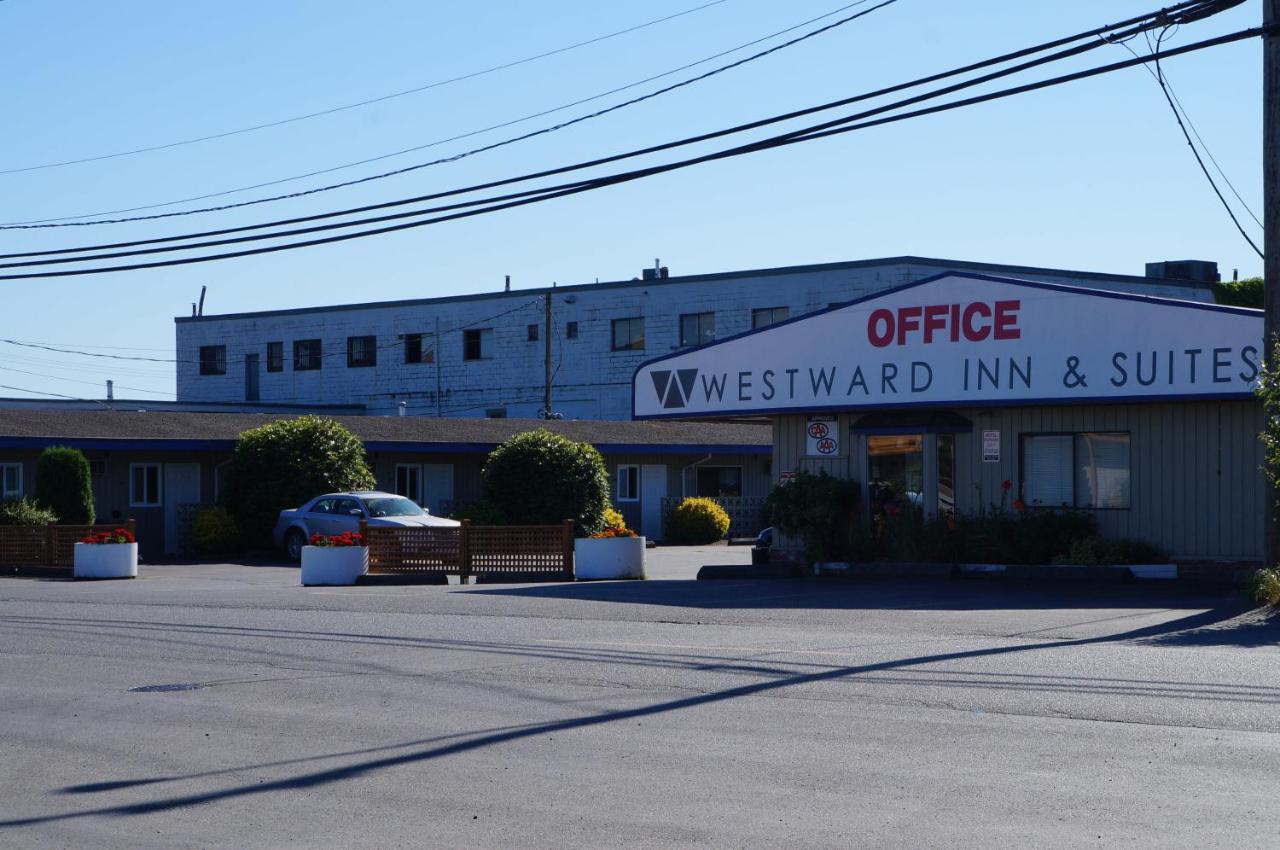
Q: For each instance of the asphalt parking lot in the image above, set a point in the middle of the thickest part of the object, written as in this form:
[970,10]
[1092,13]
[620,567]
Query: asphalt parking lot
[224,706]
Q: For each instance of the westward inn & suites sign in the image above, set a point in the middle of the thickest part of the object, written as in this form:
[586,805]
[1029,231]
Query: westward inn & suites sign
[962,339]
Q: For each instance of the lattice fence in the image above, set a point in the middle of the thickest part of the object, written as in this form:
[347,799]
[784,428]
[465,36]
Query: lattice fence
[468,549]
[48,545]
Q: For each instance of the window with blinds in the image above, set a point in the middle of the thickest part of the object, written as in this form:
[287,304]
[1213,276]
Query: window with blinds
[1088,470]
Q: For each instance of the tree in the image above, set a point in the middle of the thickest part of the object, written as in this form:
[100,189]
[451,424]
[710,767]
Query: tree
[63,484]
[1239,293]
[541,478]
[822,512]
[283,464]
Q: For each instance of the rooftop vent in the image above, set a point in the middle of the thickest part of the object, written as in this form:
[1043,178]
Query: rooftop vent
[658,271]
[1200,271]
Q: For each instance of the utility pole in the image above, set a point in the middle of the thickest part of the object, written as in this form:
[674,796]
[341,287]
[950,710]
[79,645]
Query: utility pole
[437,351]
[546,395]
[1271,218]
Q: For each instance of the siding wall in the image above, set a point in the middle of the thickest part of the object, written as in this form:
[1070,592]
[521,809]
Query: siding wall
[1196,489]
[592,382]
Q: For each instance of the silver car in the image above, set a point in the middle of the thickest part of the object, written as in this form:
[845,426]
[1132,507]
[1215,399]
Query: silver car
[335,513]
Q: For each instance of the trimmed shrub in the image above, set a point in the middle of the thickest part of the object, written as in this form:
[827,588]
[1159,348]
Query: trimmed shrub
[1094,551]
[822,512]
[283,464]
[481,513]
[63,485]
[1266,587]
[215,532]
[542,478]
[698,520]
[25,512]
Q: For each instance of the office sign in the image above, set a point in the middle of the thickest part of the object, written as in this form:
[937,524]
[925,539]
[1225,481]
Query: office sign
[962,339]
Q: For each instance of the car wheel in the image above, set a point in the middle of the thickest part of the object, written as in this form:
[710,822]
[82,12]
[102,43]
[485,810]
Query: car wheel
[294,540]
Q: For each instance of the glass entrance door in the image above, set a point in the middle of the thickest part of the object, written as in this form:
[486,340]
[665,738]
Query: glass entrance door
[895,472]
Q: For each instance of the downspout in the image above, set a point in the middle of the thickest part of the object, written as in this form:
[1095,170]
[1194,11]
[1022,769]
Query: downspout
[684,479]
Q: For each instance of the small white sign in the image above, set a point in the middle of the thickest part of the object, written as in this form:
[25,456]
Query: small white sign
[990,446]
[822,436]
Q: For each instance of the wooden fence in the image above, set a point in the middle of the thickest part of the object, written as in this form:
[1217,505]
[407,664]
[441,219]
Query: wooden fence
[47,545]
[467,550]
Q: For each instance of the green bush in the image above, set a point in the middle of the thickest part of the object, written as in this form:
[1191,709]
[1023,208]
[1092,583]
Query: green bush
[697,521]
[25,512]
[541,478]
[283,464]
[1103,551]
[482,513]
[215,532]
[823,513]
[1239,293]
[1266,587]
[64,486]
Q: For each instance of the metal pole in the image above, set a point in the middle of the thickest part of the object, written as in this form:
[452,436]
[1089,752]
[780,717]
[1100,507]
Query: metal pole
[438,352]
[546,396]
[1271,219]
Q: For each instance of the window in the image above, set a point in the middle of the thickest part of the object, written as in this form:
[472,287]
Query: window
[946,475]
[306,355]
[628,483]
[571,330]
[407,481]
[716,481]
[10,481]
[533,333]
[477,344]
[628,334]
[495,413]
[765,316]
[213,360]
[697,328]
[1089,470]
[895,472]
[419,348]
[324,506]
[275,357]
[362,351]
[144,485]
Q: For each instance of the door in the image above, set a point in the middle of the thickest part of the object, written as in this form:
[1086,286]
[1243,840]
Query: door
[437,486]
[181,487]
[251,377]
[653,489]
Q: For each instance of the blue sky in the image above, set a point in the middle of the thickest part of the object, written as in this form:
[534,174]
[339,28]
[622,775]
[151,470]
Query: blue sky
[1093,175]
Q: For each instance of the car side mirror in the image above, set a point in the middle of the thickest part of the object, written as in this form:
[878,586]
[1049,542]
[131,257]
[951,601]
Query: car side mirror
[356,512]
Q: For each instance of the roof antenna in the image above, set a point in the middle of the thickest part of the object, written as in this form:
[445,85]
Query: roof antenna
[508,288]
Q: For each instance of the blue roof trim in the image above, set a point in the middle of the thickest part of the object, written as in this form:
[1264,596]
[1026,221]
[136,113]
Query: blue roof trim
[884,293]
[183,445]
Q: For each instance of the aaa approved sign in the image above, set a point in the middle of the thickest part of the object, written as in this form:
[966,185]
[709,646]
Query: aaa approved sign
[822,436]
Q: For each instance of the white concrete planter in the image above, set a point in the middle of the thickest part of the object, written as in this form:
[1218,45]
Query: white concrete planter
[608,558]
[106,560]
[334,564]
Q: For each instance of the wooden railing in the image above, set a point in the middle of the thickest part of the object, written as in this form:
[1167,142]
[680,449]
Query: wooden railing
[47,545]
[466,550]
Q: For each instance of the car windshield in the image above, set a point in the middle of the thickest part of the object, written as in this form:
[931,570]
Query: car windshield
[397,506]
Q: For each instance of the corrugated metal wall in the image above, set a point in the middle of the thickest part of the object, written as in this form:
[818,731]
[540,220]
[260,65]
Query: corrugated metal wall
[1196,489]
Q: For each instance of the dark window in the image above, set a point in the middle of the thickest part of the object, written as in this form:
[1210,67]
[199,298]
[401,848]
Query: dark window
[716,481]
[628,483]
[496,413]
[275,357]
[306,355]
[419,348]
[697,328]
[477,344]
[533,333]
[213,360]
[765,316]
[362,351]
[628,334]
[144,485]
[571,330]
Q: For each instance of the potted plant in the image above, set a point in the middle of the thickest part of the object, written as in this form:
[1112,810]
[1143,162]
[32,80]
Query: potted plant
[337,559]
[614,553]
[107,554]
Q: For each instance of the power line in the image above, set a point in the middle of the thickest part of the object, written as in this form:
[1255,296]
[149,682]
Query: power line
[78,381]
[1144,20]
[826,129]
[380,99]
[53,395]
[65,221]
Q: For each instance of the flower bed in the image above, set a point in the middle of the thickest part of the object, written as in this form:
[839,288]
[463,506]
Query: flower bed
[338,559]
[107,554]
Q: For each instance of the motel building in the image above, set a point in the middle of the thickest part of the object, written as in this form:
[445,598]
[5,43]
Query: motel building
[1135,408]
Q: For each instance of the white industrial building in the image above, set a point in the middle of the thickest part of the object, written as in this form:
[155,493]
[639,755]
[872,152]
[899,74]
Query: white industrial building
[485,354]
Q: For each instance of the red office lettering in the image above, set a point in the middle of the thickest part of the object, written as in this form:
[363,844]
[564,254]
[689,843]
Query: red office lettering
[972,332]
[908,320]
[1006,323]
[880,317]
[955,322]
[935,319]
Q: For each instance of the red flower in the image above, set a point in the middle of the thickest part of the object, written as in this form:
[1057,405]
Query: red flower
[1019,505]
[1006,485]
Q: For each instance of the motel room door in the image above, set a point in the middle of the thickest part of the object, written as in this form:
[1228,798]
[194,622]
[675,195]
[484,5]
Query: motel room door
[653,489]
[181,487]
